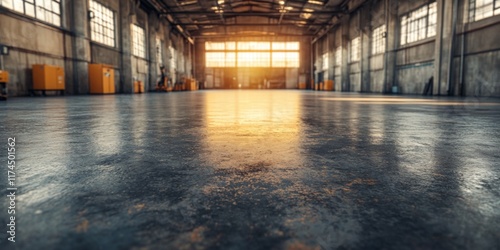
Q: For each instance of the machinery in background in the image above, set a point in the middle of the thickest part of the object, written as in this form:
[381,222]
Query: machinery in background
[186,84]
[324,86]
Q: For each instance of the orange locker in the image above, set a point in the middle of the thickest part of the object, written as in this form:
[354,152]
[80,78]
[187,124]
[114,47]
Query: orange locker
[138,87]
[191,84]
[101,79]
[328,85]
[302,85]
[4,78]
[48,77]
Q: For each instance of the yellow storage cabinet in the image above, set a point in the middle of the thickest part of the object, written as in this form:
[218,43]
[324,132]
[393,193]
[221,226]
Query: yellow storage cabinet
[48,77]
[101,79]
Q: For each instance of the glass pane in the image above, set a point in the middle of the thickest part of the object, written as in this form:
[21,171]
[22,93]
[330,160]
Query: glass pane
[279,59]
[254,59]
[56,20]
[338,56]
[231,46]
[40,13]
[278,46]
[292,59]
[214,46]
[18,6]
[55,7]
[254,46]
[47,4]
[292,45]
[230,59]
[30,9]
[325,61]
[214,59]
[7,4]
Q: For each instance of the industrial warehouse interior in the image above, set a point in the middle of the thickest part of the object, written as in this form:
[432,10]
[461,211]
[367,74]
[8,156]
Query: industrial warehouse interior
[259,124]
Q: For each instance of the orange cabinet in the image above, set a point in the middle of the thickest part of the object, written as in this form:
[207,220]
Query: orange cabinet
[191,84]
[138,87]
[48,77]
[4,78]
[302,85]
[328,85]
[101,79]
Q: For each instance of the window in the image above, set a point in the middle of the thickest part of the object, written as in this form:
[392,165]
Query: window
[138,44]
[285,59]
[285,46]
[252,54]
[254,46]
[480,9]
[354,56]
[254,59]
[378,40]
[215,59]
[102,24]
[220,59]
[325,61]
[45,10]
[220,45]
[173,58]
[419,24]
[159,57]
[338,56]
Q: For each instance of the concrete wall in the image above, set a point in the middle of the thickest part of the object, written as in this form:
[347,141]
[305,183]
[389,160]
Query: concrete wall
[410,66]
[70,46]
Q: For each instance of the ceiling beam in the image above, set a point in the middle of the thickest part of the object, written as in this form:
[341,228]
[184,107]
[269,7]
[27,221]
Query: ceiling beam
[248,35]
[212,13]
[251,24]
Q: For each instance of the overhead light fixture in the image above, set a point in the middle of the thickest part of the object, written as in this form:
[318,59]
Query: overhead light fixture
[220,2]
[308,10]
[288,8]
[187,3]
[315,2]
[179,28]
[282,2]
[170,18]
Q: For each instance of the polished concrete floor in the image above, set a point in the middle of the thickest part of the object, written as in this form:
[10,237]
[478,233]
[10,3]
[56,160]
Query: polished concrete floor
[253,170]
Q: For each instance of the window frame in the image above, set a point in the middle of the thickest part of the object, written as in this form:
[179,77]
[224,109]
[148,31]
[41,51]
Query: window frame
[415,26]
[494,9]
[378,40]
[267,53]
[102,37]
[325,62]
[137,41]
[338,56]
[38,7]
[355,52]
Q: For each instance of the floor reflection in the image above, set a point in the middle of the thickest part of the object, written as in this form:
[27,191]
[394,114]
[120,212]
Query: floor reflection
[247,128]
